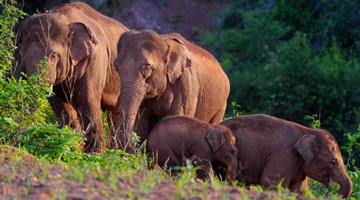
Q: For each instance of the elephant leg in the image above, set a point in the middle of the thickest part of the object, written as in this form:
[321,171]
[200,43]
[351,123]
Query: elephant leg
[205,170]
[299,186]
[219,115]
[142,124]
[90,110]
[167,161]
[65,113]
[94,136]
[272,175]
[114,120]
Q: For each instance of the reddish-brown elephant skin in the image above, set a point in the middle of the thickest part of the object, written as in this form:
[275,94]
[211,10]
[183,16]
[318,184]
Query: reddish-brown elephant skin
[163,75]
[80,45]
[272,149]
[177,138]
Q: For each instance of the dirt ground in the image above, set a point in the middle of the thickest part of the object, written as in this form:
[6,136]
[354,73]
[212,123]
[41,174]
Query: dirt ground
[22,176]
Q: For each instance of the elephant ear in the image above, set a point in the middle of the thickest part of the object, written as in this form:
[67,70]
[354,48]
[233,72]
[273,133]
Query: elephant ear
[307,148]
[82,42]
[177,59]
[216,138]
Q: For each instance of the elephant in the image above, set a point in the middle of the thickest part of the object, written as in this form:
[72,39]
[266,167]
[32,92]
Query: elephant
[80,46]
[176,138]
[271,149]
[164,75]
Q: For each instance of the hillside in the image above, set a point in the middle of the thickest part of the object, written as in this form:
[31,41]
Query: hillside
[26,177]
[159,15]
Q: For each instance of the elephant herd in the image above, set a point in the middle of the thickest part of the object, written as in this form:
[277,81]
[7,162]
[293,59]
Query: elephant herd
[173,94]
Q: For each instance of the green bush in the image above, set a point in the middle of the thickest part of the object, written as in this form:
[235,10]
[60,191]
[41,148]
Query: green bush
[269,53]
[26,119]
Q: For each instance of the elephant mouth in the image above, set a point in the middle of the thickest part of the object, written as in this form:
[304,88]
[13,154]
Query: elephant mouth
[326,180]
[221,172]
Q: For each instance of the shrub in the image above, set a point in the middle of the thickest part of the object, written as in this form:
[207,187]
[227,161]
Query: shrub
[268,52]
[26,118]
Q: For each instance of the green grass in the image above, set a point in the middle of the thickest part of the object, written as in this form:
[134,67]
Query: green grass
[115,169]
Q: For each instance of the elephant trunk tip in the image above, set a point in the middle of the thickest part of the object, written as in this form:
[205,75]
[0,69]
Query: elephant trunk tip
[345,192]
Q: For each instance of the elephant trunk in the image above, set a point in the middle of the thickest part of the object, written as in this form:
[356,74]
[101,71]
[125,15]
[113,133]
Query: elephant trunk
[340,176]
[232,174]
[130,99]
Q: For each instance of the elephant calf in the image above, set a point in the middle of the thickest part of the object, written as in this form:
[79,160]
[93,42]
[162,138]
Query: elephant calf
[176,138]
[271,149]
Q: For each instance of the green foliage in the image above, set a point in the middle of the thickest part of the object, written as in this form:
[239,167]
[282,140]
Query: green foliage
[315,123]
[235,110]
[10,15]
[322,20]
[26,118]
[351,146]
[271,54]
[51,142]
[187,175]
[354,176]
[318,189]
[116,161]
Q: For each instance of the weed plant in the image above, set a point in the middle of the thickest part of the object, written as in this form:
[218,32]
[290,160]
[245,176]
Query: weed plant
[26,119]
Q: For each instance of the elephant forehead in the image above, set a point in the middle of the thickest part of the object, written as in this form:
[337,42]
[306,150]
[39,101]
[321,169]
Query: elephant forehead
[139,57]
[150,46]
[56,46]
[42,50]
[45,31]
[32,50]
[332,144]
[328,142]
[335,148]
[330,151]
[151,56]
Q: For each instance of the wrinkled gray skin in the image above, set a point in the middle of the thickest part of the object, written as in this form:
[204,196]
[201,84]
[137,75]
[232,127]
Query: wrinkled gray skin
[163,75]
[271,149]
[80,46]
[177,138]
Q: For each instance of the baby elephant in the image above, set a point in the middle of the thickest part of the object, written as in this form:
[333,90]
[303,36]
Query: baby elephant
[176,138]
[271,149]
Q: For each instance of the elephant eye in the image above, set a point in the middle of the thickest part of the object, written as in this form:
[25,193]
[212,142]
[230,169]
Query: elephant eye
[334,162]
[146,70]
[53,57]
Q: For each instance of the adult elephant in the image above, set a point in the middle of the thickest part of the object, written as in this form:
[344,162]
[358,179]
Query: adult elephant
[271,149]
[165,75]
[79,44]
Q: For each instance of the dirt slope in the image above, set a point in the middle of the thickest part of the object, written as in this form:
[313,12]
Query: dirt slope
[24,177]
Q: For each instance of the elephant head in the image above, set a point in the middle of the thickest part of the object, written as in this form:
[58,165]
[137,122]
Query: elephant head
[322,160]
[64,45]
[147,63]
[225,153]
